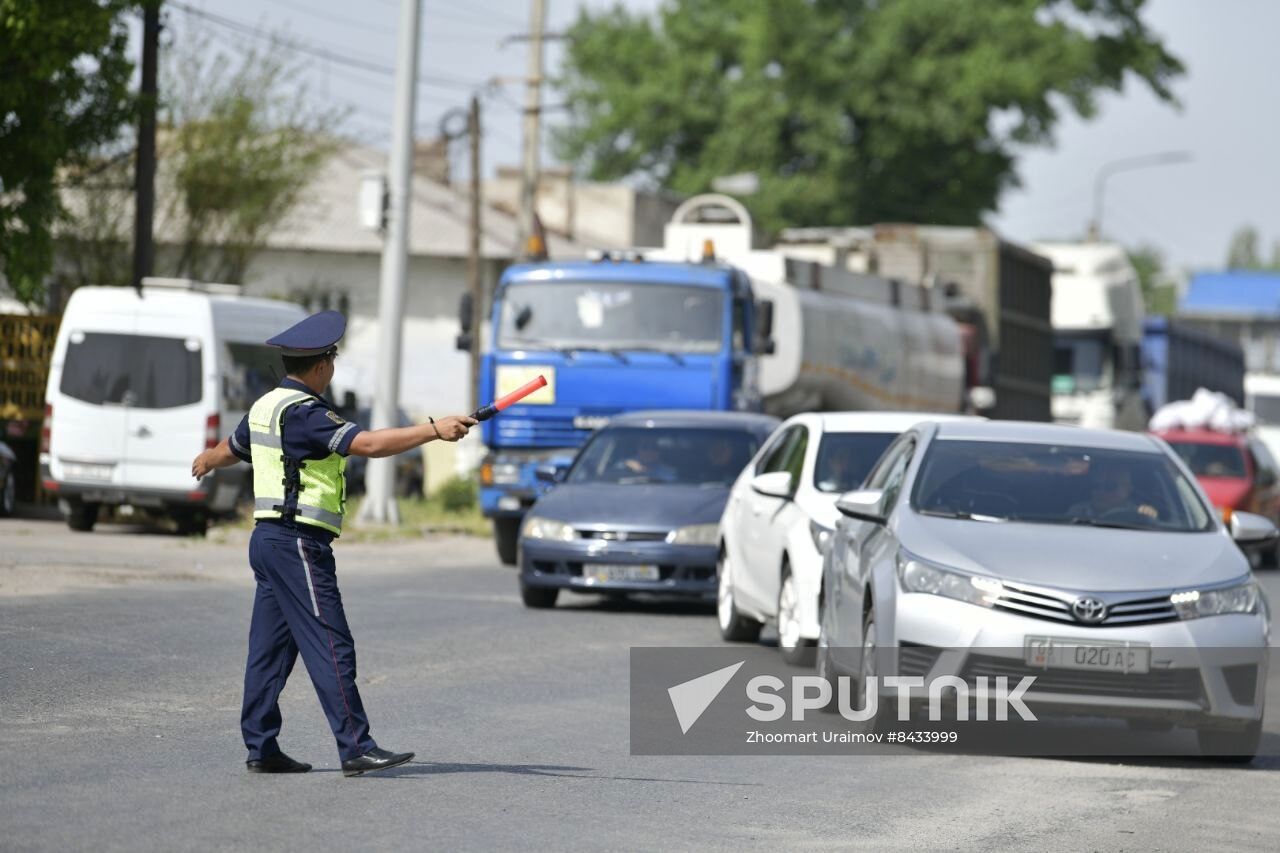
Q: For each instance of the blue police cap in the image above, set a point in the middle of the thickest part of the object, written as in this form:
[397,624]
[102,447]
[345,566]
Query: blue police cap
[314,335]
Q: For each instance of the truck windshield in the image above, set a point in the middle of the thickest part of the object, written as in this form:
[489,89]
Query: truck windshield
[645,456]
[612,315]
[1057,484]
[1079,361]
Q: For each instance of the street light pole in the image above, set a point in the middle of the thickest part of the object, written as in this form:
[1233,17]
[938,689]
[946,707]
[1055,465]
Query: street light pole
[379,502]
[1127,164]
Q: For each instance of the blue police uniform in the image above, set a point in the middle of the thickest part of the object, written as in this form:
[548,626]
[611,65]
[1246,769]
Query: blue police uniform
[297,608]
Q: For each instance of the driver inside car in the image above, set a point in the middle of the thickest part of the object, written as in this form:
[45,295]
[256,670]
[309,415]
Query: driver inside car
[1111,492]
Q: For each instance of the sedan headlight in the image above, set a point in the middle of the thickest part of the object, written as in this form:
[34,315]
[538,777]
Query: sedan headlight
[694,534]
[536,527]
[918,576]
[1194,603]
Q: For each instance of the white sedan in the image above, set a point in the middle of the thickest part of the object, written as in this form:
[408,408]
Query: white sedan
[780,513]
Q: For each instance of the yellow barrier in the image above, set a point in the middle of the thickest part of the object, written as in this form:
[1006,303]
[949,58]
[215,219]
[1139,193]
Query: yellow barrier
[26,349]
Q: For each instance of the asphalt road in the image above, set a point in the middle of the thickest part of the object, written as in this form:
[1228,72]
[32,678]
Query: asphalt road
[121,656]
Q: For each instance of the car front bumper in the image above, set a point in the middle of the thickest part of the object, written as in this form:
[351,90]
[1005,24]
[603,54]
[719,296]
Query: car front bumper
[688,570]
[1214,667]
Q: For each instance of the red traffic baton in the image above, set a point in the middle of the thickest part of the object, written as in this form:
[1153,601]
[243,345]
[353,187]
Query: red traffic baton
[485,412]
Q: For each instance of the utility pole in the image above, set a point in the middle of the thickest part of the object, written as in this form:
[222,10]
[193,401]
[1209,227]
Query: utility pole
[532,117]
[380,502]
[144,203]
[474,277]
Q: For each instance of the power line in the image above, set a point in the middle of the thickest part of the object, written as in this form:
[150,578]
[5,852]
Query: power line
[321,52]
[335,19]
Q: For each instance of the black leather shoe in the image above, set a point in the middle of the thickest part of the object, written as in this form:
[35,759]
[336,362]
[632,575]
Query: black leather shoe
[374,759]
[278,763]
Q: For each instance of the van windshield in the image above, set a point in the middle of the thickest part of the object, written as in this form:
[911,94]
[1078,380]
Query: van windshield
[143,371]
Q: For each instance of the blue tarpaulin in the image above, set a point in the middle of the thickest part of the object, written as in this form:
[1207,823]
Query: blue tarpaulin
[1236,293]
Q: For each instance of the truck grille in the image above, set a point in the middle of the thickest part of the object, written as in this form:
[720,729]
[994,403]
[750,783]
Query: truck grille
[1055,606]
[539,432]
[1172,684]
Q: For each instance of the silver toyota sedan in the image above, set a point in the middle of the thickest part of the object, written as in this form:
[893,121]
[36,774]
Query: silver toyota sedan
[1089,559]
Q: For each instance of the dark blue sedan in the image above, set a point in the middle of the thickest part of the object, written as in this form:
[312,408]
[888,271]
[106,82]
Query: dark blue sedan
[639,508]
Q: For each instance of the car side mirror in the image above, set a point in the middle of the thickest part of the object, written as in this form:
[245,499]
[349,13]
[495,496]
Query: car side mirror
[764,327]
[775,484]
[863,504]
[1248,528]
[550,472]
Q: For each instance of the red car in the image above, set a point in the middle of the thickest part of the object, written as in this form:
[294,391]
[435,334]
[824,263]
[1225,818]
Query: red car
[1236,471]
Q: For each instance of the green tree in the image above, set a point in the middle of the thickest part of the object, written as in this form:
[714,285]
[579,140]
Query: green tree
[242,143]
[1158,294]
[64,93]
[1242,253]
[850,111]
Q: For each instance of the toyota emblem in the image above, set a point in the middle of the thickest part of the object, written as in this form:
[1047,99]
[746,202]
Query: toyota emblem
[1089,610]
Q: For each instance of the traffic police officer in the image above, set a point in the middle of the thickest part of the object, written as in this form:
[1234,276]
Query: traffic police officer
[298,446]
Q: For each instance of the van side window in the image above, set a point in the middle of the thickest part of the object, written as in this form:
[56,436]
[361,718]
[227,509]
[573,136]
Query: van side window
[143,371]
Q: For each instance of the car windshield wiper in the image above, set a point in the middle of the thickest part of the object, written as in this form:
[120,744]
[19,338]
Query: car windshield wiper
[574,350]
[967,516]
[674,356]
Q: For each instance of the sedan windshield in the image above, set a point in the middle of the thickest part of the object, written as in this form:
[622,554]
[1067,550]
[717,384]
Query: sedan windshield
[611,315]
[1057,484]
[1211,460]
[637,455]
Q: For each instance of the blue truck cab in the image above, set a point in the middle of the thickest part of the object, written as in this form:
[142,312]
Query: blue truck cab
[611,336]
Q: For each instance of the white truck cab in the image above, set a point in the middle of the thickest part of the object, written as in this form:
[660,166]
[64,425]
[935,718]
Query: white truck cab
[140,383]
[1097,314]
[1262,397]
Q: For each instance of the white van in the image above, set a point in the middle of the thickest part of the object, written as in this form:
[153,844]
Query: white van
[141,383]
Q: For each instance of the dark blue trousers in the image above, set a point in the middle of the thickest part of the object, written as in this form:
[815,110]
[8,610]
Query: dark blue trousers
[298,609]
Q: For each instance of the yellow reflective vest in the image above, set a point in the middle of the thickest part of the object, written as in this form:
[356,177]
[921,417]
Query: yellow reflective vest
[321,483]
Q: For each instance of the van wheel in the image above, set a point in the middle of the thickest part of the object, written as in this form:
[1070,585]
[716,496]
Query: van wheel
[506,535]
[8,495]
[82,516]
[192,522]
[538,597]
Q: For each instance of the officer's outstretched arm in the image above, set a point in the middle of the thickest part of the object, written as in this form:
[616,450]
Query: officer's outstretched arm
[388,442]
[215,457]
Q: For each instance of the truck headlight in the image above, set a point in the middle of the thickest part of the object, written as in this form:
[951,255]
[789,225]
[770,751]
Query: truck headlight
[694,534]
[1194,603]
[504,473]
[536,527]
[918,576]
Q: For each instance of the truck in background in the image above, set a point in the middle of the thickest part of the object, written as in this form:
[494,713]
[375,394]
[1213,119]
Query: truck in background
[1178,359]
[704,322]
[26,351]
[1098,336]
[999,293]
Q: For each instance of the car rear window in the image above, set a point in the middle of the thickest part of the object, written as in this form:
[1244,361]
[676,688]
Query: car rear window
[143,371]
[1211,460]
[845,459]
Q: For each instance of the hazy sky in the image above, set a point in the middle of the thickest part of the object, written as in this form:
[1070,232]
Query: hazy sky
[1228,119]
